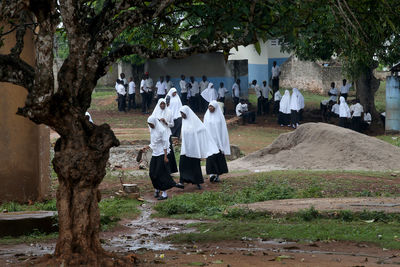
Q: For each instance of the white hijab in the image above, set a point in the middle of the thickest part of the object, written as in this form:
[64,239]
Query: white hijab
[301,98]
[216,126]
[165,113]
[294,100]
[158,134]
[284,105]
[174,104]
[196,141]
[209,94]
[344,110]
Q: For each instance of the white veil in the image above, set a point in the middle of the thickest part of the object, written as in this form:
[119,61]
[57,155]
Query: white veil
[216,126]
[209,94]
[174,104]
[284,105]
[196,141]
[158,133]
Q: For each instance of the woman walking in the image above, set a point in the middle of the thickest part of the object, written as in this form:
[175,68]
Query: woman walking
[196,144]
[174,105]
[215,123]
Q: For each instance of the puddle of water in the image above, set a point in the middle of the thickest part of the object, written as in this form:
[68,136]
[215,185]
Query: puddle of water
[147,233]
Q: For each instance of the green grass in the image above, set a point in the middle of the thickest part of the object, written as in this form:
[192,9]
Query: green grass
[102,94]
[383,234]
[275,185]
[391,139]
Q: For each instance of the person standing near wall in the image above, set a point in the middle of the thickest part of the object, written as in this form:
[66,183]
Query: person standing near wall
[266,90]
[275,73]
[131,94]
[203,86]
[169,84]
[344,90]
[236,92]
[184,90]
[333,93]
[149,91]
[121,96]
[277,100]
[221,92]
[194,100]
[161,88]
[143,94]
[356,112]
[259,95]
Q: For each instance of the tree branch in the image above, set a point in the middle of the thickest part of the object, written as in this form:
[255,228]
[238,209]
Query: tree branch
[16,71]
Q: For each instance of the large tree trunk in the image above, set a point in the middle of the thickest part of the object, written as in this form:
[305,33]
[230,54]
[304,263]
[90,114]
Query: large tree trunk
[366,87]
[80,162]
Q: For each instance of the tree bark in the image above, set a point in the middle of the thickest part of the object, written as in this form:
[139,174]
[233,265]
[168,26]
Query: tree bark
[366,87]
[80,162]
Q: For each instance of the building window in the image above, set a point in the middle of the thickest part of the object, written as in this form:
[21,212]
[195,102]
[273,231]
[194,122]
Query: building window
[275,42]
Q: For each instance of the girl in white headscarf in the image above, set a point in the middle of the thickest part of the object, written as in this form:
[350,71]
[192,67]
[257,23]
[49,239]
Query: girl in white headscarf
[215,123]
[164,116]
[284,109]
[295,108]
[209,94]
[196,144]
[174,105]
[301,103]
[159,171]
[344,112]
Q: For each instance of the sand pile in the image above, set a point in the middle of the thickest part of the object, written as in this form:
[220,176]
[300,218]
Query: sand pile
[322,146]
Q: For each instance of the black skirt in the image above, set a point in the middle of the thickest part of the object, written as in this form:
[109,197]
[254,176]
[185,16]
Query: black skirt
[190,170]
[294,115]
[171,158]
[283,118]
[176,130]
[160,174]
[216,164]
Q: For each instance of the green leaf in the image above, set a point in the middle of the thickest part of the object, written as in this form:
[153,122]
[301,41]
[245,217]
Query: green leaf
[176,45]
[257,46]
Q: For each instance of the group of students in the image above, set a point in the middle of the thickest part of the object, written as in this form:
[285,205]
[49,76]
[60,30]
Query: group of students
[200,140]
[125,93]
[353,117]
[291,108]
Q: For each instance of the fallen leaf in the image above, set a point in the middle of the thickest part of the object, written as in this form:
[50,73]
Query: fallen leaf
[218,262]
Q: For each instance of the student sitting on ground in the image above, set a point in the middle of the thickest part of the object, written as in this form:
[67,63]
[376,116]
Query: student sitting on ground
[335,110]
[366,121]
[242,110]
[356,111]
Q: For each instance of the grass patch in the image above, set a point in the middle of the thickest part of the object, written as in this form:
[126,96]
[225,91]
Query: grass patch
[276,185]
[383,234]
[391,139]
[32,237]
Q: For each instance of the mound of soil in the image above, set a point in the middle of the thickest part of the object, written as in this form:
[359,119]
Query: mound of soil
[322,146]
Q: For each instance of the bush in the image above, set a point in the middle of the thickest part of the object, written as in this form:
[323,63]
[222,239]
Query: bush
[309,214]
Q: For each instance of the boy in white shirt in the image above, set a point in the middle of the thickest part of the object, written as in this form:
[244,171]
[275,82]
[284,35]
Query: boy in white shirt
[184,90]
[259,95]
[242,110]
[143,93]
[203,86]
[131,94]
[333,93]
[277,100]
[221,92]
[149,91]
[236,92]
[194,100]
[121,96]
[169,83]
[266,90]
[161,88]
[356,111]
[344,90]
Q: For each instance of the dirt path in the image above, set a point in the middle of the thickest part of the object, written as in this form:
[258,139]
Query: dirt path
[359,204]
[143,237]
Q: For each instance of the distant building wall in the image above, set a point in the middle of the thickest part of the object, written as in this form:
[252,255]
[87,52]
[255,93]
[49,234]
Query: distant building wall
[212,65]
[260,64]
[309,75]
[24,146]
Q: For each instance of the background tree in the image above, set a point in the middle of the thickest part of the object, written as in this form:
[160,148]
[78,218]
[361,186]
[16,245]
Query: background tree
[360,33]
[97,34]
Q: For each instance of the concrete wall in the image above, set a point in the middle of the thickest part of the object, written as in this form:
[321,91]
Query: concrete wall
[260,64]
[309,76]
[212,65]
[392,104]
[24,146]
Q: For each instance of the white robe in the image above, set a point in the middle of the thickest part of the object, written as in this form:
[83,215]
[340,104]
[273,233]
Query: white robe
[174,104]
[196,141]
[165,114]
[159,137]
[344,110]
[216,126]
[284,105]
[294,100]
[209,94]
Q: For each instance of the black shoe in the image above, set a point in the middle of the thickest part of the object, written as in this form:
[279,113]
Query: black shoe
[199,187]
[156,194]
[217,180]
[179,185]
[212,178]
[162,198]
